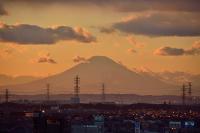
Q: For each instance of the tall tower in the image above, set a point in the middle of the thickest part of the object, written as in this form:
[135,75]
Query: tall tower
[190,89]
[76,98]
[183,94]
[190,92]
[6,96]
[48,91]
[76,86]
[103,93]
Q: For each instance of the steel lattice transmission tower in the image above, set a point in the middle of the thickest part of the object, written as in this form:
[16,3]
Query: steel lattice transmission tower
[103,93]
[76,87]
[183,94]
[6,95]
[190,89]
[48,91]
[187,88]
[190,92]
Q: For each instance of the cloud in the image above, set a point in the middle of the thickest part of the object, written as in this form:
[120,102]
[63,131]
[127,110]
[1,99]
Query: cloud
[33,34]
[45,58]
[161,24]
[133,42]
[11,49]
[124,5]
[2,10]
[5,53]
[195,50]
[131,50]
[78,59]
[169,51]
[196,44]
[18,48]
[157,5]
[107,30]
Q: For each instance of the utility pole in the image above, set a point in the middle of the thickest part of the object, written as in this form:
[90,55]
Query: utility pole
[48,91]
[103,93]
[6,96]
[183,94]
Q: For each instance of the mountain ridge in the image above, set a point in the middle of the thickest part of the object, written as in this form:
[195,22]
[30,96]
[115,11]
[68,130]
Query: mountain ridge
[95,71]
[7,79]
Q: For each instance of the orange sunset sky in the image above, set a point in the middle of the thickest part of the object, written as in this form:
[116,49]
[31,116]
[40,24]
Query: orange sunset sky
[41,37]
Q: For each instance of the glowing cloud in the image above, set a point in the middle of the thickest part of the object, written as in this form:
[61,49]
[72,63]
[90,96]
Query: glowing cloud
[33,34]
[46,58]
[169,51]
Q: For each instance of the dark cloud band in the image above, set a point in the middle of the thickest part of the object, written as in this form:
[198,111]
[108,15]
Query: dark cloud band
[162,24]
[125,5]
[2,10]
[33,34]
[169,51]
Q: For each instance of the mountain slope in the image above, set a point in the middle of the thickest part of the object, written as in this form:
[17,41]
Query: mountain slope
[94,72]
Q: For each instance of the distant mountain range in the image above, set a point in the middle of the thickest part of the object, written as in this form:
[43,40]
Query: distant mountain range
[101,69]
[9,80]
[175,78]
